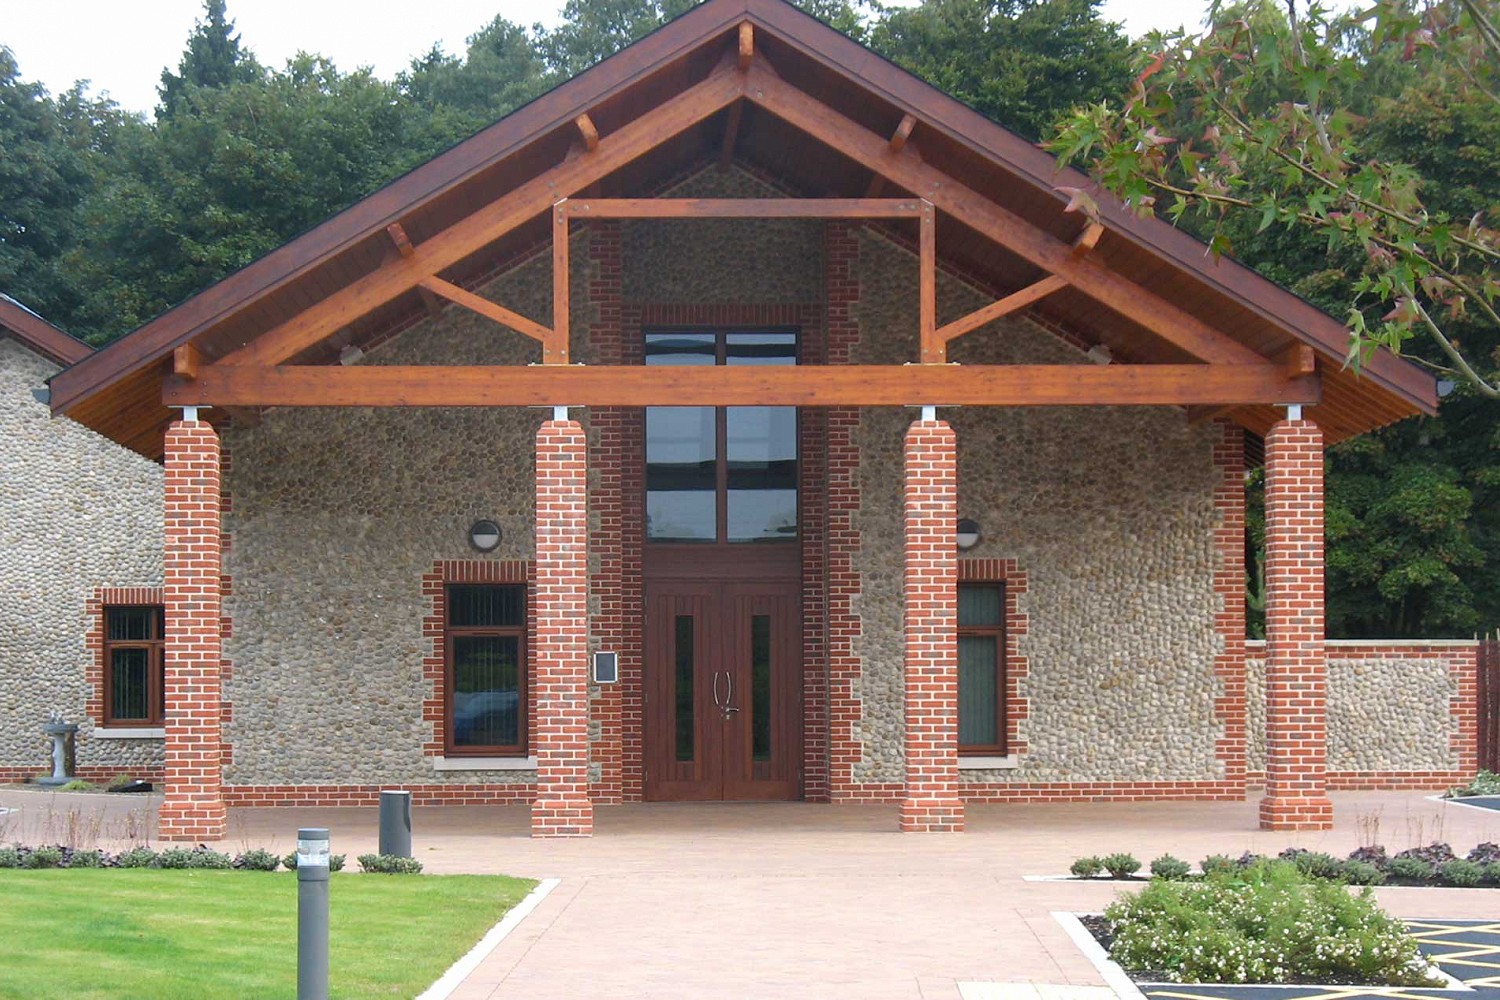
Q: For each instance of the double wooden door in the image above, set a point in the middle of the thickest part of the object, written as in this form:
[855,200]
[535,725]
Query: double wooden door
[723,691]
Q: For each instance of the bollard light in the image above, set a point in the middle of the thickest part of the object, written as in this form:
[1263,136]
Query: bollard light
[312,914]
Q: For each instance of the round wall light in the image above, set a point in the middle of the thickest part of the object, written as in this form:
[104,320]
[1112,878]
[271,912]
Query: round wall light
[485,535]
[968,534]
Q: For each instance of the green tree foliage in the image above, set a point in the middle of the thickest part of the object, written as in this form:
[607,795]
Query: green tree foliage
[213,59]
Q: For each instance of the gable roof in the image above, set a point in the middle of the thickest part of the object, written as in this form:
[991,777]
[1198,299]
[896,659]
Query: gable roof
[117,390]
[42,337]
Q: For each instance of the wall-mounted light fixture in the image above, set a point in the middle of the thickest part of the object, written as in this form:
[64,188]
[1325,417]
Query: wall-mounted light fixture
[485,535]
[968,534]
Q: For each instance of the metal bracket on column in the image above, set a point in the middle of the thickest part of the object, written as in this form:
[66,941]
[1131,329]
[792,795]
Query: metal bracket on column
[1294,411]
[189,413]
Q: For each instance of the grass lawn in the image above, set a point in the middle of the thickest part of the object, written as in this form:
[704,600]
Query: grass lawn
[201,935]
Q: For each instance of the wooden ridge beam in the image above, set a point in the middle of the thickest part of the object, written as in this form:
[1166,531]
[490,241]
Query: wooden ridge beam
[746,45]
[744,208]
[805,385]
[1013,302]
[486,308]
[1040,248]
[489,223]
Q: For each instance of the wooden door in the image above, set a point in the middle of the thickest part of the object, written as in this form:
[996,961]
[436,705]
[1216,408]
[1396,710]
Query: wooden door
[723,691]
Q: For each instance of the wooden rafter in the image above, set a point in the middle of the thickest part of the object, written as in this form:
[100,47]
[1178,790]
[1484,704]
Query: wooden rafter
[1040,248]
[897,144]
[1013,302]
[746,45]
[744,208]
[487,308]
[398,236]
[587,131]
[491,222]
[186,361]
[808,385]
[1088,239]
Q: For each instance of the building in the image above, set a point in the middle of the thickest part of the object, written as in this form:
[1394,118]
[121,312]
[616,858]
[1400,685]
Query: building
[659,366]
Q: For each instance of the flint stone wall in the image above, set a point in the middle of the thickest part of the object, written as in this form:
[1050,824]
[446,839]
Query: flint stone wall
[77,512]
[1109,511]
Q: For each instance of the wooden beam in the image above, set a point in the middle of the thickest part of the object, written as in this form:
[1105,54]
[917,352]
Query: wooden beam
[1088,239]
[902,133]
[931,347]
[731,133]
[587,130]
[486,308]
[749,385]
[430,302]
[1203,414]
[491,222]
[747,45]
[1040,248]
[555,345]
[186,361]
[398,236]
[1003,307]
[1299,359]
[745,208]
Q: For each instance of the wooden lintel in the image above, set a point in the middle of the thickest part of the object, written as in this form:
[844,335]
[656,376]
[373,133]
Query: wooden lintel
[1003,307]
[870,150]
[747,45]
[1088,239]
[932,350]
[587,130]
[398,236]
[749,385]
[186,361]
[555,345]
[744,208]
[731,133]
[489,223]
[486,308]
[902,133]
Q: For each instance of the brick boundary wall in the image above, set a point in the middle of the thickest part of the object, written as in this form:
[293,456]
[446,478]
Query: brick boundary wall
[886,793]
[242,796]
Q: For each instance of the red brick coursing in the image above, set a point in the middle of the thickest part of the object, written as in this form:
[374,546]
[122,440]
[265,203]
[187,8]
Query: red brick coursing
[238,796]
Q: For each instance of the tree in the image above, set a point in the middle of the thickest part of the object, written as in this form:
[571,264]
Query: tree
[1020,62]
[213,59]
[1276,136]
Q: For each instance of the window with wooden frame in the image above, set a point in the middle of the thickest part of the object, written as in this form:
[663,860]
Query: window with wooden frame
[134,671]
[981,669]
[484,638]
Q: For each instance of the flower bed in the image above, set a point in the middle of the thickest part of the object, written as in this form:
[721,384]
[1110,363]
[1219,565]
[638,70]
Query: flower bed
[1433,865]
[59,856]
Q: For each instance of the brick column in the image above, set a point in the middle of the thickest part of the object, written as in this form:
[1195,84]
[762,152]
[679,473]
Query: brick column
[1296,671]
[931,801]
[193,807]
[559,660]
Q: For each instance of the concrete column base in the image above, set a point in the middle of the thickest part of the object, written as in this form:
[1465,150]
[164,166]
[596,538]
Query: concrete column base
[553,817]
[932,816]
[1296,812]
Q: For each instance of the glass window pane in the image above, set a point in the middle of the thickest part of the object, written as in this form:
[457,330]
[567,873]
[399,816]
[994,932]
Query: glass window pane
[680,349]
[978,675]
[762,515]
[133,624]
[486,690]
[681,472]
[761,349]
[130,693]
[762,472]
[684,707]
[487,606]
[980,605]
[680,516]
[760,686]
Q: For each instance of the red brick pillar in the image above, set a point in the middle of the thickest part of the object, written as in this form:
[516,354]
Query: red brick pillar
[559,661]
[931,801]
[193,807]
[1296,671]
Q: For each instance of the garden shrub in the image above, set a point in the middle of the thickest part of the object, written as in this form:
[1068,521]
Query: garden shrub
[1462,873]
[76,785]
[1120,865]
[1484,783]
[394,864]
[1434,854]
[1415,869]
[335,862]
[1361,873]
[1486,853]
[1267,923]
[1317,864]
[175,858]
[1086,867]
[1168,867]
[10,857]
[137,857]
[86,859]
[44,857]
[257,860]
[1492,872]
[1217,863]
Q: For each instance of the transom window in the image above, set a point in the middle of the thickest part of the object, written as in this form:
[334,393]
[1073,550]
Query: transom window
[981,668]
[721,473]
[485,642]
[134,674]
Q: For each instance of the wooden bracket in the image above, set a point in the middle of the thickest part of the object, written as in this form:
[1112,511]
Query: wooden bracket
[1088,239]
[747,45]
[587,130]
[186,360]
[897,144]
[491,310]
[1013,302]
[398,236]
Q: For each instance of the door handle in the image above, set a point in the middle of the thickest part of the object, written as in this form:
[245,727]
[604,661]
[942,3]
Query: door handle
[729,705]
[717,702]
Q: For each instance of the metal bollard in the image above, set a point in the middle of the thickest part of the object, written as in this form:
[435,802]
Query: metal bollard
[312,914]
[395,823]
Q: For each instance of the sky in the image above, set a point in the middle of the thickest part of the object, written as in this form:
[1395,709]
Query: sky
[121,46]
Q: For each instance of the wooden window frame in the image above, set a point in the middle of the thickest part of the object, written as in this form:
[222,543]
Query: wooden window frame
[156,658]
[999,749]
[519,632]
